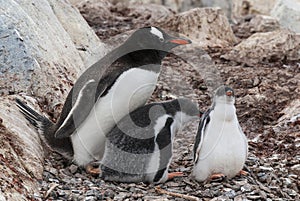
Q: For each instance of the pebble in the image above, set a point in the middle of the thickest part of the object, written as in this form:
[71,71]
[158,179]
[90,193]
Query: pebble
[253,197]
[73,168]
[296,167]
[121,196]
[240,198]
[246,188]
[91,192]
[53,171]
[265,168]
[287,181]
[230,193]
[290,192]
[90,198]
[53,180]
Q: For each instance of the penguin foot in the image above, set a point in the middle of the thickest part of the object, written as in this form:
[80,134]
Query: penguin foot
[174,174]
[243,172]
[217,176]
[92,170]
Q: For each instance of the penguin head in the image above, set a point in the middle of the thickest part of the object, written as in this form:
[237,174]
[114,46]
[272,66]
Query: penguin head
[155,38]
[224,94]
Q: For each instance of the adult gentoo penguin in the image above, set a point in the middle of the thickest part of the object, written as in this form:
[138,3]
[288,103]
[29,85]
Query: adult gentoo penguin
[111,88]
[221,146]
[139,147]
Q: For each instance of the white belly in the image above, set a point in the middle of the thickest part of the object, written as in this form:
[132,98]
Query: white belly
[224,152]
[131,90]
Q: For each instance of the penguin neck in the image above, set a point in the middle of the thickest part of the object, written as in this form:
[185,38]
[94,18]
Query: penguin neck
[225,111]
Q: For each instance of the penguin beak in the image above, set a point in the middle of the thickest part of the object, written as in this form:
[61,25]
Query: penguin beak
[228,93]
[180,41]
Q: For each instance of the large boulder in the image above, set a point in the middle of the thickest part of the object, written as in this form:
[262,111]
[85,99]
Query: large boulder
[45,45]
[247,26]
[225,5]
[288,14]
[206,27]
[279,45]
[250,7]
[176,5]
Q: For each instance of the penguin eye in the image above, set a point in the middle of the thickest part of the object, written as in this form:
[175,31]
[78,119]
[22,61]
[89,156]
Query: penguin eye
[161,39]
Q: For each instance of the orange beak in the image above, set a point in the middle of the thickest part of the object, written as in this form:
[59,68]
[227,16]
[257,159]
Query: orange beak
[180,41]
[228,93]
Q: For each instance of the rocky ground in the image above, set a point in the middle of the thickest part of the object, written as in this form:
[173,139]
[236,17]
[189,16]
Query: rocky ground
[262,92]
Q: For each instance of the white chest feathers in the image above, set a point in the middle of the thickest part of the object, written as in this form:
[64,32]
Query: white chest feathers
[131,90]
[223,148]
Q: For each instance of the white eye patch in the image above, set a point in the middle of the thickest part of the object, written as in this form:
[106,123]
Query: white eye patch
[156,32]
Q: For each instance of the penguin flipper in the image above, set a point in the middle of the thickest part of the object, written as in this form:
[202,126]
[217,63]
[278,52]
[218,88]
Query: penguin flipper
[81,108]
[200,134]
[245,140]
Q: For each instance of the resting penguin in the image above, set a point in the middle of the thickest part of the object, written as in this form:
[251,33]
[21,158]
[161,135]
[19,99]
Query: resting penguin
[139,147]
[221,146]
[111,88]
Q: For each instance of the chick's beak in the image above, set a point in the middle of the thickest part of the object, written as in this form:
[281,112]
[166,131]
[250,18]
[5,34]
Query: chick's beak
[228,93]
[180,41]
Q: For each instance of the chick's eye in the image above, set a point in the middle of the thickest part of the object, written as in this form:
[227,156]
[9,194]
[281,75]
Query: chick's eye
[161,39]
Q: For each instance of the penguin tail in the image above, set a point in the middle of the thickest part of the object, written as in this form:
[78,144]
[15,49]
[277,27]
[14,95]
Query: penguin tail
[40,122]
[46,128]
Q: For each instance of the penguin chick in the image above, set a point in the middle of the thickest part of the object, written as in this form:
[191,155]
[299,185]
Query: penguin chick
[221,146]
[139,147]
[120,82]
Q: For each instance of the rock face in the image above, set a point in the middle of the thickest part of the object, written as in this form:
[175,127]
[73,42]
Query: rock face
[176,5]
[263,23]
[207,27]
[266,47]
[45,45]
[249,7]
[247,26]
[288,14]
[225,5]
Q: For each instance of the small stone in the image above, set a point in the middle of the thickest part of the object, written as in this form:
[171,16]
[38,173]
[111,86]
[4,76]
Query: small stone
[188,189]
[73,168]
[266,168]
[120,196]
[290,192]
[220,198]
[90,198]
[246,188]
[109,193]
[53,180]
[263,195]
[240,198]
[230,193]
[253,197]
[53,171]
[76,191]
[296,167]
[287,181]
[90,193]
[207,193]
[264,178]
[88,183]
[64,172]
